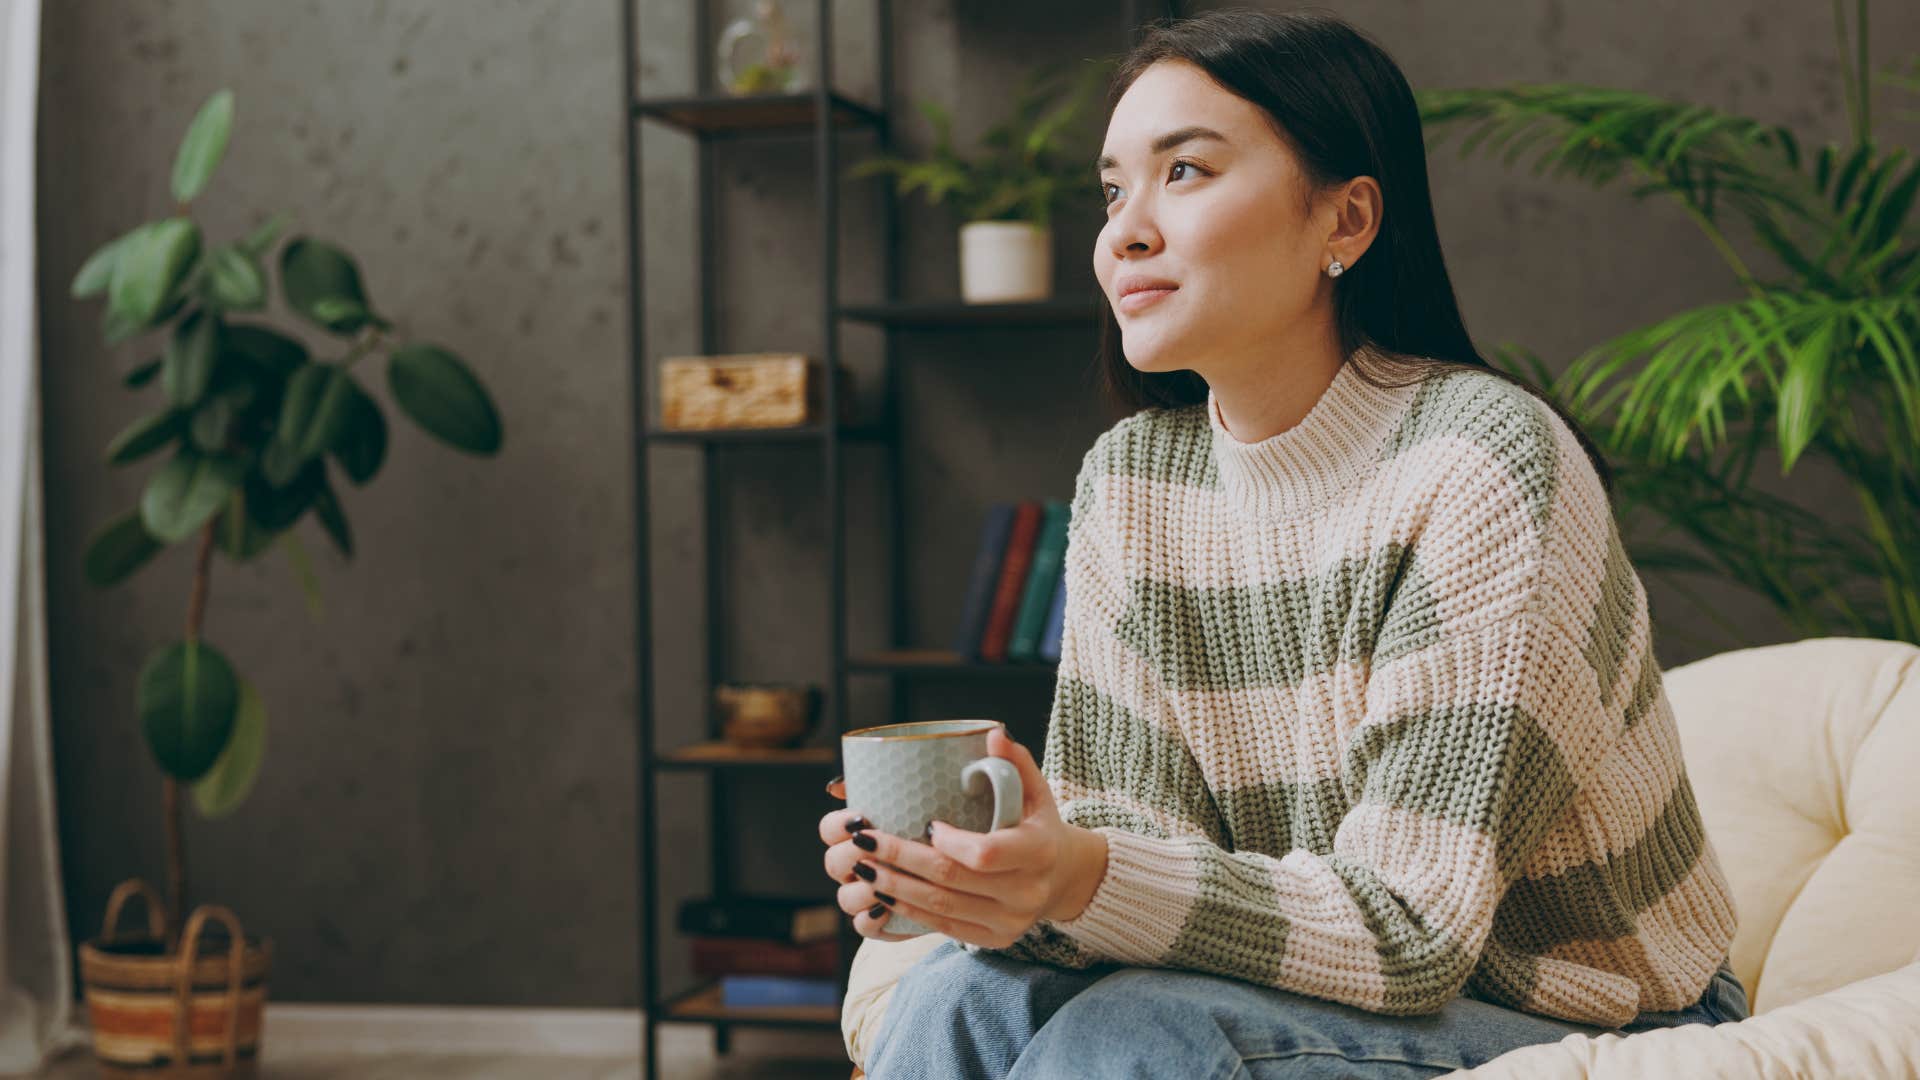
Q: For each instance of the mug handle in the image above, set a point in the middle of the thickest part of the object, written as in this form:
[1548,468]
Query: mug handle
[1008,795]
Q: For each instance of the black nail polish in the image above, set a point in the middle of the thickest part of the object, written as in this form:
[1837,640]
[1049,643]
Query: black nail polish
[876,911]
[865,842]
[882,897]
[867,873]
[856,823]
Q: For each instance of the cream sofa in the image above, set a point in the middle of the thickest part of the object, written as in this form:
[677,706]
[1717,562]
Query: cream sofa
[1805,759]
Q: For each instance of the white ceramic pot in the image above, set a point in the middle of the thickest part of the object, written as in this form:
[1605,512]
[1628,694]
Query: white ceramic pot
[1005,261]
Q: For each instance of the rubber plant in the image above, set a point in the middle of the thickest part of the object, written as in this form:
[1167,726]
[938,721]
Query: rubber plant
[1815,358]
[257,428]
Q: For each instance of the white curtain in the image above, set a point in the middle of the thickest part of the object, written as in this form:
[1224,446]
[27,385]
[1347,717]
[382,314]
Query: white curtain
[36,979]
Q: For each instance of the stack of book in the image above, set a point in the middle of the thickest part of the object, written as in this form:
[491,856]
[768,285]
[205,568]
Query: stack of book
[766,950]
[1016,593]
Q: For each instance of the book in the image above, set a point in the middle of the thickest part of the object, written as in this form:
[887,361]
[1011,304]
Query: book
[1013,576]
[715,956]
[739,990]
[1056,622]
[793,919]
[978,603]
[1048,550]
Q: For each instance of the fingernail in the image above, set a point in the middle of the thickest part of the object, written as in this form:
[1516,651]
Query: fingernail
[876,911]
[866,872]
[835,780]
[865,842]
[856,823]
[882,897]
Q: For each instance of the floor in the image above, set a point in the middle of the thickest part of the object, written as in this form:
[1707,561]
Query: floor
[686,1053]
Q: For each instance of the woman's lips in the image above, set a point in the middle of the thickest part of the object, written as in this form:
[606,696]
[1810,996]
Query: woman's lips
[1134,301]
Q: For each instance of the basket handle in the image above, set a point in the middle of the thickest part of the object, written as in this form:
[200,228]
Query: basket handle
[183,996]
[156,909]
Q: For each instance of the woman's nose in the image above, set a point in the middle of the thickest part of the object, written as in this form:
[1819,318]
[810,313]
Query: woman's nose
[1132,229]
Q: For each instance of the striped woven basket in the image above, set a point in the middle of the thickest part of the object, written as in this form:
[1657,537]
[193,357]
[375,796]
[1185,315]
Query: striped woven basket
[157,1014]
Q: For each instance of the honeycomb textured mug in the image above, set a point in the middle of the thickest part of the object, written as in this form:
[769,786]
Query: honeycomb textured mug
[900,777]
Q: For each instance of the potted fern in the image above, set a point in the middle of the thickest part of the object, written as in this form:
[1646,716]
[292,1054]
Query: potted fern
[1818,358]
[1006,194]
[259,432]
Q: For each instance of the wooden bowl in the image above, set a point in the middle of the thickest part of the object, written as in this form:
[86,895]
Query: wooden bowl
[767,714]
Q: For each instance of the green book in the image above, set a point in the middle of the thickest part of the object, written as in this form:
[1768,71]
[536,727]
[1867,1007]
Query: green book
[1049,556]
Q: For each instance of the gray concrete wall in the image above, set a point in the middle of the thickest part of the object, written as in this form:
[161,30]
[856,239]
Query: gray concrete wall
[447,812]
[446,807]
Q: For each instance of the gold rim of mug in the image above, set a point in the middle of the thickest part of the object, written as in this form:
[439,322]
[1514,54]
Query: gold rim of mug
[861,733]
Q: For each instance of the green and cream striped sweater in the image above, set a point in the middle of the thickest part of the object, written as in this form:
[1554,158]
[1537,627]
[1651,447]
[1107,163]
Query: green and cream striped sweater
[1369,711]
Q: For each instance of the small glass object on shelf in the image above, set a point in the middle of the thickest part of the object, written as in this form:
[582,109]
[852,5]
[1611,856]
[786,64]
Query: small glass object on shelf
[757,54]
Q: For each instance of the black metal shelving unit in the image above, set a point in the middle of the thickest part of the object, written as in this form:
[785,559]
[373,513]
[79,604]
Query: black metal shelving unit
[825,114]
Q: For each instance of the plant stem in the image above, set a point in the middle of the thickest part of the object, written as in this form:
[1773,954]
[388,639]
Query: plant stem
[1897,575]
[367,341]
[1719,240]
[176,839]
[1707,225]
[176,863]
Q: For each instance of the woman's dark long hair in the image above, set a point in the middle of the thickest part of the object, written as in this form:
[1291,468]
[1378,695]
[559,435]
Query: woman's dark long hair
[1340,103]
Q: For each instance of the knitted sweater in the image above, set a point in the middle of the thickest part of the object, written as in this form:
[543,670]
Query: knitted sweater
[1369,711]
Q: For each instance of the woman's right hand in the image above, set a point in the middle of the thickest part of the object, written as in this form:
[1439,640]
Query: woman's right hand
[856,897]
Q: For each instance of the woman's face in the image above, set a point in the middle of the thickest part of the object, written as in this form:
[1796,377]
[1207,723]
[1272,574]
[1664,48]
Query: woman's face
[1220,218]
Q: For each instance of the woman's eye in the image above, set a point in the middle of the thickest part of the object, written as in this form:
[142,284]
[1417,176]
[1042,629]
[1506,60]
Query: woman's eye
[1106,200]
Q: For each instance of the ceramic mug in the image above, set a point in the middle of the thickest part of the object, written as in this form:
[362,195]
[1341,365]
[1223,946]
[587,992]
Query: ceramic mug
[900,777]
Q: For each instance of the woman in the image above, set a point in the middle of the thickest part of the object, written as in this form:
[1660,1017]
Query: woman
[1359,761]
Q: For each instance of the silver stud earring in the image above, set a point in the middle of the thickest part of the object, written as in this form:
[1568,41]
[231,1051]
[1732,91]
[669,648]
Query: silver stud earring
[1336,269]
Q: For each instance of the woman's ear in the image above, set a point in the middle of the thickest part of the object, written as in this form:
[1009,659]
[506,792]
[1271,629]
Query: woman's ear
[1358,206]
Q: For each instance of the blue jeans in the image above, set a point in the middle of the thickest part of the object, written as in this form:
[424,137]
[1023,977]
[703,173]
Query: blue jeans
[984,1016]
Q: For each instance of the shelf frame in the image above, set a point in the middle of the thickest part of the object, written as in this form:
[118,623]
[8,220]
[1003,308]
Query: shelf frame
[867,433]
[1072,312]
[944,662]
[822,114]
[701,1004]
[712,116]
[720,754]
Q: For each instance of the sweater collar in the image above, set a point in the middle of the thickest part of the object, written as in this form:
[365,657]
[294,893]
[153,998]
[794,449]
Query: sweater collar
[1333,446]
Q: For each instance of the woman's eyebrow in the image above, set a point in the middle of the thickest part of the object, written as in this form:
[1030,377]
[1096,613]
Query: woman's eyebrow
[1165,143]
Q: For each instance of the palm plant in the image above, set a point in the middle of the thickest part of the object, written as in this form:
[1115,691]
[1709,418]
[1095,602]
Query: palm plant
[1816,359]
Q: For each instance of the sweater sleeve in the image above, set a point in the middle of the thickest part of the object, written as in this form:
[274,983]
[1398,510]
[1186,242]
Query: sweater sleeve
[1482,692]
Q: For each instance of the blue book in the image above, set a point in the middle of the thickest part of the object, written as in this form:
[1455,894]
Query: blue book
[981,582]
[738,990]
[1056,623]
[1048,556]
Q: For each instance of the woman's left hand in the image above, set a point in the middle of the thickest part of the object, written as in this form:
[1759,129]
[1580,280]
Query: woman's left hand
[985,888]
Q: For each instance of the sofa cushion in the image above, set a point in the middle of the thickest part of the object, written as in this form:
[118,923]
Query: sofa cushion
[877,966]
[1869,1028]
[1802,758]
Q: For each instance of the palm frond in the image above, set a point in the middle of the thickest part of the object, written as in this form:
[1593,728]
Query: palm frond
[1800,561]
[1799,346]
[1690,151]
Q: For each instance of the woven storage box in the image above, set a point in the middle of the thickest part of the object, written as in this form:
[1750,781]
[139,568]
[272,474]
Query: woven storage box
[744,390]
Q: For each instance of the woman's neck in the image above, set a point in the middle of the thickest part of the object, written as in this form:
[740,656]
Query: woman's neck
[1268,394]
